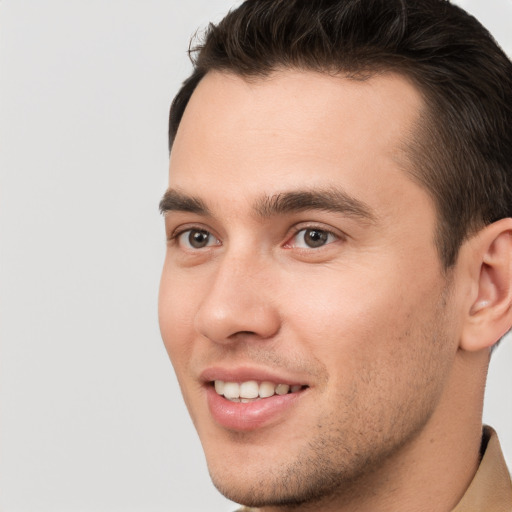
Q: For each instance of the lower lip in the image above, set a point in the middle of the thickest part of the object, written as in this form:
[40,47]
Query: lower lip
[252,415]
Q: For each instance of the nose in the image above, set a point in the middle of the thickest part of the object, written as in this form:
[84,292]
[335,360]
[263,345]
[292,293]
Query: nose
[238,304]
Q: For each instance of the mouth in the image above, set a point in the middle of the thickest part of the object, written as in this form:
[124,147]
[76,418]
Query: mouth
[252,390]
[250,399]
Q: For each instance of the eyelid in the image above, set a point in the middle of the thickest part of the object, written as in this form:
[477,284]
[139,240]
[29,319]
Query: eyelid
[175,231]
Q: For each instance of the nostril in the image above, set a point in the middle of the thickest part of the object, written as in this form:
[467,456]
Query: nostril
[243,333]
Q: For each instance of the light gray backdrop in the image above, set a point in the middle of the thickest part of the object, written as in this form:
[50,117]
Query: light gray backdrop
[91,417]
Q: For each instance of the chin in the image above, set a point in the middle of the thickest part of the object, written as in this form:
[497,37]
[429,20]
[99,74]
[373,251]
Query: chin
[288,489]
[266,492]
[305,478]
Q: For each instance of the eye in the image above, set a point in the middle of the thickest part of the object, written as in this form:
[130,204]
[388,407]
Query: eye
[312,238]
[196,239]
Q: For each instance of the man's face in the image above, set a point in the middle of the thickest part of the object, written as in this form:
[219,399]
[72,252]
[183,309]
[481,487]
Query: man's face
[301,260]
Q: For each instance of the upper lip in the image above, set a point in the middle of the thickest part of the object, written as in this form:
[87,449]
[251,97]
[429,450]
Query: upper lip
[246,373]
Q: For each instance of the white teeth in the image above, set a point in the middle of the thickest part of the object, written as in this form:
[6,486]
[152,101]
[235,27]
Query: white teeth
[219,387]
[231,390]
[267,389]
[250,390]
[282,389]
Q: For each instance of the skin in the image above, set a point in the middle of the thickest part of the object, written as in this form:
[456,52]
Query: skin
[370,320]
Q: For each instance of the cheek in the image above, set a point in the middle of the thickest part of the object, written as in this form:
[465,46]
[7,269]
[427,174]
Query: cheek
[345,305]
[362,318]
[385,354]
[176,306]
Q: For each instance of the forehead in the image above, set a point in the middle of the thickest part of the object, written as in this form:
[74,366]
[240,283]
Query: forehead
[293,129]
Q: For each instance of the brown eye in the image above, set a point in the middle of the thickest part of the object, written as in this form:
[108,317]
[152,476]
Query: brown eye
[197,239]
[315,237]
[312,238]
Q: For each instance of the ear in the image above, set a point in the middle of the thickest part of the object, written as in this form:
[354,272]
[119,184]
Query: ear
[490,309]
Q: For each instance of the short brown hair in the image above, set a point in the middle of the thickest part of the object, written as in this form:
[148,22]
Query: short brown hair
[462,151]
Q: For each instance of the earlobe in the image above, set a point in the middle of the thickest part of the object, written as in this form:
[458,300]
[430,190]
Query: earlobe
[490,312]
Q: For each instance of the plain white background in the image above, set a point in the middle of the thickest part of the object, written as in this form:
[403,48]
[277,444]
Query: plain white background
[91,415]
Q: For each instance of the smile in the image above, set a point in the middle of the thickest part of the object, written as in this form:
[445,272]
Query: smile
[251,391]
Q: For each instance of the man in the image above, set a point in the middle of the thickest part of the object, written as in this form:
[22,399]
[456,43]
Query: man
[339,259]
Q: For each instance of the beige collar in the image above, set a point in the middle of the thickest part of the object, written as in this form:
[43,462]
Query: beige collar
[491,488]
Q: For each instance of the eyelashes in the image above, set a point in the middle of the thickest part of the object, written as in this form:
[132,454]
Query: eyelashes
[303,237]
[311,238]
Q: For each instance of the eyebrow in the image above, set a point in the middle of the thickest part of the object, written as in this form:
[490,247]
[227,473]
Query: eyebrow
[174,200]
[329,200]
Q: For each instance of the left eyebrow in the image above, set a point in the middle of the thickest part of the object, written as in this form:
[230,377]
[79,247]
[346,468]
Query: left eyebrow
[173,200]
[330,200]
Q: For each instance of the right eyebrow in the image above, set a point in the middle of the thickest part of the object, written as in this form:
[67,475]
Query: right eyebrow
[173,200]
[329,200]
